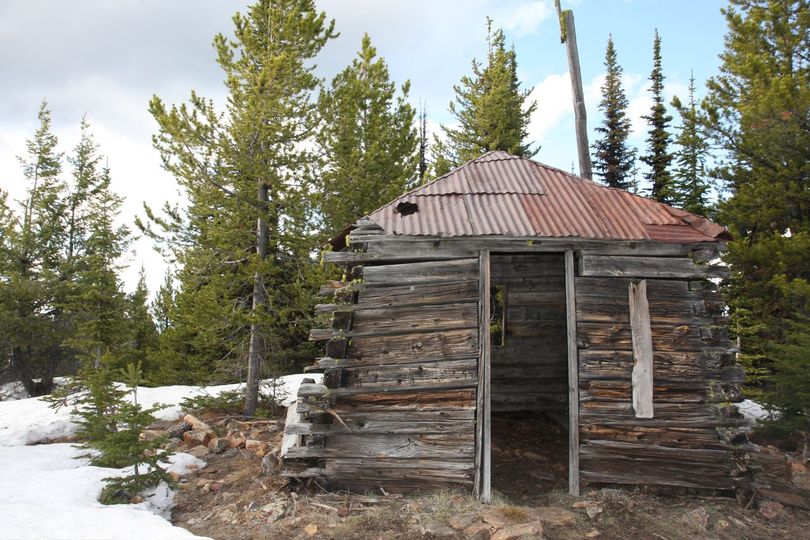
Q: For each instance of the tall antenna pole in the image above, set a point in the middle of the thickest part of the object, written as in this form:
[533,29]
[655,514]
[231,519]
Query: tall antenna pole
[568,35]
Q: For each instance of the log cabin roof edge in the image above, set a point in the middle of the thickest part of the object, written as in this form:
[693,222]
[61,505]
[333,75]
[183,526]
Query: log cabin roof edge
[499,194]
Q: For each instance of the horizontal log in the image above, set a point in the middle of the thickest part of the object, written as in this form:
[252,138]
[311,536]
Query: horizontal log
[414,446]
[418,294]
[361,257]
[676,437]
[408,347]
[407,402]
[421,272]
[433,426]
[431,373]
[646,267]
[319,390]
[530,244]
[667,366]
[610,336]
[408,319]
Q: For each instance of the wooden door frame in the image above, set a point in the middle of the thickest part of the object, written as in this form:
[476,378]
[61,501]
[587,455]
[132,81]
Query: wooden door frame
[482,486]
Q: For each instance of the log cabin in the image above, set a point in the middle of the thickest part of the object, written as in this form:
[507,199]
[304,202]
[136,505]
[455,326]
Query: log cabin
[508,288]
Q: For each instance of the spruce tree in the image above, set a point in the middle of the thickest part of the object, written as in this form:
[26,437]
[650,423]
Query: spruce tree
[658,157]
[756,113]
[244,241]
[492,110]
[367,139]
[613,159]
[690,186]
[32,295]
[142,343]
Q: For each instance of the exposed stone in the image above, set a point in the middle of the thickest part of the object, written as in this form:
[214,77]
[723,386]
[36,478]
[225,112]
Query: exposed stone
[195,422]
[533,528]
[136,499]
[592,508]
[477,531]
[696,519]
[721,526]
[771,510]
[800,475]
[218,445]
[493,519]
[275,510]
[236,441]
[270,464]
[151,434]
[311,529]
[555,516]
[197,437]
[462,521]
[176,431]
[257,447]
[198,451]
[215,487]
[593,533]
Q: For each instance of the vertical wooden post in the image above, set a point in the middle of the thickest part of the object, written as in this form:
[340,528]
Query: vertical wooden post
[483,485]
[642,377]
[568,35]
[573,376]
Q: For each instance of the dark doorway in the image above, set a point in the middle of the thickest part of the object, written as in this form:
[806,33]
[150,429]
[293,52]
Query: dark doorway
[528,374]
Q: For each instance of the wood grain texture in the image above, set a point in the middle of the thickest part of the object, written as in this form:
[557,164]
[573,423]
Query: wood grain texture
[573,375]
[642,375]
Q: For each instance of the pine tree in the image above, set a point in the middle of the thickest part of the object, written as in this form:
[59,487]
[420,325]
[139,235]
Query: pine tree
[492,110]
[244,242]
[423,145]
[690,187]
[141,347]
[33,289]
[368,141]
[658,157]
[163,304]
[613,159]
[756,113]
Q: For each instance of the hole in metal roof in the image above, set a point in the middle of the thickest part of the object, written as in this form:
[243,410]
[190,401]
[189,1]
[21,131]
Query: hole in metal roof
[406,208]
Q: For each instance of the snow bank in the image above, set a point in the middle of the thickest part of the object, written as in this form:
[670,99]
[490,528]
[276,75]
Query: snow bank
[29,421]
[45,492]
[49,494]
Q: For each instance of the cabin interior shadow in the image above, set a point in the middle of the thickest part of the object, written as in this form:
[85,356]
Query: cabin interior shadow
[529,375]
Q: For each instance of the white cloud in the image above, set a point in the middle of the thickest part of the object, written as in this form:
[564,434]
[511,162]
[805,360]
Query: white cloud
[526,18]
[554,103]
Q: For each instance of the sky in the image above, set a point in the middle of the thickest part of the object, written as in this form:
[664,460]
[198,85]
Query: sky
[106,60]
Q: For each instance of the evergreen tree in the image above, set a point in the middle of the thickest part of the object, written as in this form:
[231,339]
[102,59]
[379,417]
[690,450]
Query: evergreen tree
[756,112]
[658,157]
[244,241]
[690,187]
[33,289]
[423,145]
[368,141]
[163,304]
[142,344]
[491,109]
[613,159]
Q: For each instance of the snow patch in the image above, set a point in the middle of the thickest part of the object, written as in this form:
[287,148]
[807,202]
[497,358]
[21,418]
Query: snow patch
[752,411]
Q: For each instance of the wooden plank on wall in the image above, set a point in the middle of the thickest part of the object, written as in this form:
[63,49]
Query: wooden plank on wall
[482,483]
[642,376]
[644,267]
[573,376]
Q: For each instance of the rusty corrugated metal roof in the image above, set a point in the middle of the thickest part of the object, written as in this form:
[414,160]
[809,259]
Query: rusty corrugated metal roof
[503,195]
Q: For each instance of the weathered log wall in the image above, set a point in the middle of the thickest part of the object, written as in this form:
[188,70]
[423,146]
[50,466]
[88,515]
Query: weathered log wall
[691,440]
[398,404]
[530,369]
[397,407]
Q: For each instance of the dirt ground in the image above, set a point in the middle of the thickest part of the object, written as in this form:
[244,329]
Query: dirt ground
[231,499]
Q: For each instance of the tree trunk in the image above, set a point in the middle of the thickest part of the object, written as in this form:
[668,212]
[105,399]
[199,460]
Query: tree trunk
[256,351]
